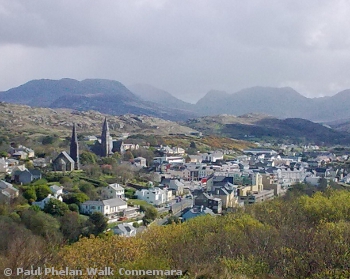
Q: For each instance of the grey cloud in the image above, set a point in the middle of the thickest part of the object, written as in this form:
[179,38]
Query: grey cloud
[185,47]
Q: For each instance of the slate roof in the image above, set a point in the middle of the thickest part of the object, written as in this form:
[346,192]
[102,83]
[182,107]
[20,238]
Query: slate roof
[66,155]
[124,229]
[114,202]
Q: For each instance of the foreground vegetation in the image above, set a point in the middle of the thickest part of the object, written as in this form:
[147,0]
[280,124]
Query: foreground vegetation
[298,236]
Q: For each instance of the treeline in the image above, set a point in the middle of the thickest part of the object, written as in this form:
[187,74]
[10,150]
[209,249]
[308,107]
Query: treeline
[298,236]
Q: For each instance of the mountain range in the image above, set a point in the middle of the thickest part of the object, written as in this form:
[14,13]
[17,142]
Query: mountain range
[112,97]
[278,102]
[106,96]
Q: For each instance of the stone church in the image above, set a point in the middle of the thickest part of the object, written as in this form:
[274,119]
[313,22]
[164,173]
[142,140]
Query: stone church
[65,161]
[104,148]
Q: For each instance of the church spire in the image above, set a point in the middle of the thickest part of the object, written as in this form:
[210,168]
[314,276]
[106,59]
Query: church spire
[74,147]
[105,140]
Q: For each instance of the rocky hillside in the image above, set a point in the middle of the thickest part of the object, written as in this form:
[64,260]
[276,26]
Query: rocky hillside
[32,121]
[259,127]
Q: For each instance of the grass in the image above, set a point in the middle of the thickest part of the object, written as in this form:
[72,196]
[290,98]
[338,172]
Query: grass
[139,202]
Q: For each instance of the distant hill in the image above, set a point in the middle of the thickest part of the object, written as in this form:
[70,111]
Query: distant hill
[279,102]
[342,125]
[255,127]
[106,96]
[150,93]
[114,98]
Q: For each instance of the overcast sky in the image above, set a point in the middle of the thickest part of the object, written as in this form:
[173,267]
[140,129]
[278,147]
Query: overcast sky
[185,47]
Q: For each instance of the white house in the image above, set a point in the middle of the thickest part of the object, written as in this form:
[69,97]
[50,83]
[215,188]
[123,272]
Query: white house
[169,159]
[56,190]
[125,229]
[155,196]
[106,207]
[4,166]
[112,191]
[140,162]
[175,185]
[178,150]
[90,138]
[43,202]
[213,156]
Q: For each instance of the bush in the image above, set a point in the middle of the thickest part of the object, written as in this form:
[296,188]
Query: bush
[73,207]
[56,207]
[30,194]
[136,225]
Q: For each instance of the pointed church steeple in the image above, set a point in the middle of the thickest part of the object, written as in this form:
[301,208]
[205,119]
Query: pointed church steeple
[105,140]
[74,147]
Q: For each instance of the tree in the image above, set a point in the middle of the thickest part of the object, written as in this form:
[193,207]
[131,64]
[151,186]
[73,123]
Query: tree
[145,153]
[136,225]
[30,194]
[42,191]
[29,165]
[128,156]
[73,207]
[193,145]
[92,170]
[87,157]
[124,173]
[142,208]
[41,181]
[3,154]
[66,181]
[129,193]
[98,223]
[108,161]
[173,219]
[77,198]
[56,207]
[35,208]
[42,224]
[88,189]
[49,140]
[116,155]
[151,213]
[71,226]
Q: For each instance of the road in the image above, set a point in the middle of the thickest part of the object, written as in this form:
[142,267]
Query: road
[177,208]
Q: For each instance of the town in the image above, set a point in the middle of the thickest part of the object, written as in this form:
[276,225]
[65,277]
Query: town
[171,183]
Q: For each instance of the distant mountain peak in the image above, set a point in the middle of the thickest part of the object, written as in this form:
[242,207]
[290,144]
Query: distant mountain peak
[153,94]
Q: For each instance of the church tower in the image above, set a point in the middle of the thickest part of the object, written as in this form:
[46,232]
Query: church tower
[74,147]
[105,140]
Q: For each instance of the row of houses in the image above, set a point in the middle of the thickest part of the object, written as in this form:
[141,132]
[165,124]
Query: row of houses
[7,192]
